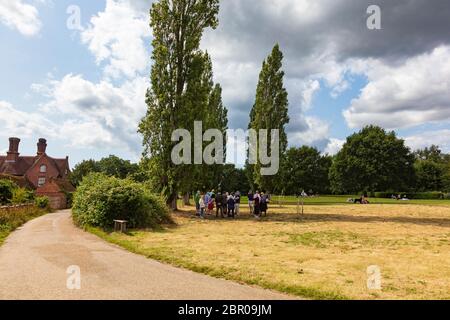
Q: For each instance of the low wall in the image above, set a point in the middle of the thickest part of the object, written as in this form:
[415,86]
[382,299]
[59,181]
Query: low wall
[16,207]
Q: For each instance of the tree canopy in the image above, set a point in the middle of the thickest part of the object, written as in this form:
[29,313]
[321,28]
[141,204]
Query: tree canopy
[372,160]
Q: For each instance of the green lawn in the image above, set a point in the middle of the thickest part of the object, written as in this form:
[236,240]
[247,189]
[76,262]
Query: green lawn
[342,200]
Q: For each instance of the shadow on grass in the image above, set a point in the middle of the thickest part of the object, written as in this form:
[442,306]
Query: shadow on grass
[319,217]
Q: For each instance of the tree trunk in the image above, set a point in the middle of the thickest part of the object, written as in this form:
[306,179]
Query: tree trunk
[186,199]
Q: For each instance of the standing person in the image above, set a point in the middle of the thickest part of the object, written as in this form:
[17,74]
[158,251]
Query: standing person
[207,198]
[224,204]
[231,206]
[202,206]
[211,204]
[219,206]
[250,201]
[263,203]
[197,203]
[237,200]
[256,205]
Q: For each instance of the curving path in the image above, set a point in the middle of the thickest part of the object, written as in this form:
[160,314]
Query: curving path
[35,258]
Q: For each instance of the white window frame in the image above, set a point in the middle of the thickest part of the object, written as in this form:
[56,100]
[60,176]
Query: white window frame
[43,168]
[41,181]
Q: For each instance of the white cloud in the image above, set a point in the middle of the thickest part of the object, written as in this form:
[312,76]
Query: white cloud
[314,133]
[426,139]
[404,95]
[100,113]
[117,37]
[24,124]
[20,16]
[334,146]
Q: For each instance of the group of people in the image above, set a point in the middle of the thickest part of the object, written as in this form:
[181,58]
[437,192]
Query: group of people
[228,204]
[258,203]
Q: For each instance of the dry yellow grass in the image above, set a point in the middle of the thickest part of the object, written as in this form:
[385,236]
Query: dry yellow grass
[323,255]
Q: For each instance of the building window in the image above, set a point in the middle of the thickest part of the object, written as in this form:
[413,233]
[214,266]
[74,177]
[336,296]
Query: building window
[41,182]
[43,168]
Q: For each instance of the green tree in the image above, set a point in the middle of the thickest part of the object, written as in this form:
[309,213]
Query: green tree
[431,169]
[372,160]
[178,27]
[117,167]
[111,166]
[306,169]
[429,174]
[270,111]
[7,189]
[82,169]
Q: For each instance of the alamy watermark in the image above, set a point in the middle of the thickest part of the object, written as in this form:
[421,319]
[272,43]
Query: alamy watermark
[374,19]
[257,146]
[74,279]
[373,277]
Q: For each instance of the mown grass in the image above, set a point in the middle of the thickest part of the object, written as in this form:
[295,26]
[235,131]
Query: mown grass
[10,220]
[321,255]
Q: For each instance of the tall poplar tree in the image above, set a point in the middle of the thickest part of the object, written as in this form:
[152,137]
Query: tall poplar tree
[178,27]
[270,111]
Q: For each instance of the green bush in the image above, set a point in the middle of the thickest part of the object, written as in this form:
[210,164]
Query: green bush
[7,189]
[384,194]
[425,195]
[21,196]
[412,195]
[42,202]
[99,200]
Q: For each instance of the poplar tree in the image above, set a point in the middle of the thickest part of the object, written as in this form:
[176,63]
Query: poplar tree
[178,26]
[270,111]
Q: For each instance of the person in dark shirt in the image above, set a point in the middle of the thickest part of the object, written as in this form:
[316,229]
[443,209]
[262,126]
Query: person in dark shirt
[225,204]
[264,204]
[250,201]
[219,206]
[256,205]
[231,205]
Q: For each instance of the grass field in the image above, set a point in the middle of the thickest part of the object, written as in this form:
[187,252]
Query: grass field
[321,255]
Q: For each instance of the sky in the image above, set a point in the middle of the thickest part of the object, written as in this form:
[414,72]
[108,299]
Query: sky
[76,71]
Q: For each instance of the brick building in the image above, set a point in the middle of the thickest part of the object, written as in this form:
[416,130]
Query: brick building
[46,175]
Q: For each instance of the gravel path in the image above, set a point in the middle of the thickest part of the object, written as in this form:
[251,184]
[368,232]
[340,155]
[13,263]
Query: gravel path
[34,262]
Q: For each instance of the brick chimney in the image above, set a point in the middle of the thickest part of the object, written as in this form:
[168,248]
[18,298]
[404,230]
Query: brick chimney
[41,146]
[13,153]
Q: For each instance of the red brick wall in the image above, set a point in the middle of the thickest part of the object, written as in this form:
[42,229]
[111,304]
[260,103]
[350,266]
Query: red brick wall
[34,174]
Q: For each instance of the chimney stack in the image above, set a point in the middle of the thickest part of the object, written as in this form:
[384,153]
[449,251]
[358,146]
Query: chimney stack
[13,153]
[41,146]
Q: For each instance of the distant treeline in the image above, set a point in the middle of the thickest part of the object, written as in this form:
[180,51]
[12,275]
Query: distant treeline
[373,161]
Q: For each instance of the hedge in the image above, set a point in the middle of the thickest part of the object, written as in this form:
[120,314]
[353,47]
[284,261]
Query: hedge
[100,199]
[412,195]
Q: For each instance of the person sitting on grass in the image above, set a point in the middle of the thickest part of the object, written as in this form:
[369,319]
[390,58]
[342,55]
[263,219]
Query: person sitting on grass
[231,205]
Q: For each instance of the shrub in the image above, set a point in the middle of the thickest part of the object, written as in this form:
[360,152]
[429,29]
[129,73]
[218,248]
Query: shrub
[425,195]
[412,195]
[7,191]
[21,196]
[384,194]
[99,200]
[42,202]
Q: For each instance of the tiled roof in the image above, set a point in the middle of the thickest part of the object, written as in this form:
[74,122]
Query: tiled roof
[26,162]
